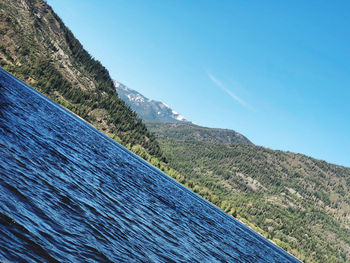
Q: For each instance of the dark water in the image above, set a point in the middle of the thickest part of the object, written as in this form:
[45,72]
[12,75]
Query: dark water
[70,194]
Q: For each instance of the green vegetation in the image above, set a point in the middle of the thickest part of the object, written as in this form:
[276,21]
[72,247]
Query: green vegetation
[300,203]
[36,47]
[188,131]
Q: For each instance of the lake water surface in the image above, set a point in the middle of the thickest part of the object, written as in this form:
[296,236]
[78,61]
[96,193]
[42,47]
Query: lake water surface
[68,193]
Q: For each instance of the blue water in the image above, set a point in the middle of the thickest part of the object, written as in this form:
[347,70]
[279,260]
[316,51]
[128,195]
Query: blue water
[68,193]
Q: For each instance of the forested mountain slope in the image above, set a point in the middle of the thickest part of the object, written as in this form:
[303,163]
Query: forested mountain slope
[38,48]
[301,203]
[189,131]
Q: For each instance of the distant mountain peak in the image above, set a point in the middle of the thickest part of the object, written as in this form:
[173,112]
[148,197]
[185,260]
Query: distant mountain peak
[147,109]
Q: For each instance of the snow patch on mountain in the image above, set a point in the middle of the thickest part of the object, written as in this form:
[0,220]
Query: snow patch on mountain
[148,109]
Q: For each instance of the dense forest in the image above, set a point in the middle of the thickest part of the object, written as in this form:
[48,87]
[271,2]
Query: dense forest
[300,203]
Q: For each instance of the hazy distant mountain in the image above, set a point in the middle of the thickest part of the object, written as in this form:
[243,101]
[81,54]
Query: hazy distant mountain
[189,132]
[147,109]
[158,115]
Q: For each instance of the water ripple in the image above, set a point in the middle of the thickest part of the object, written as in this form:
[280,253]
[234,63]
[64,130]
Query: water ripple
[70,194]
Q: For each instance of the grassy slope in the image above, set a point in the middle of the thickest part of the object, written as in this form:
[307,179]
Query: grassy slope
[301,203]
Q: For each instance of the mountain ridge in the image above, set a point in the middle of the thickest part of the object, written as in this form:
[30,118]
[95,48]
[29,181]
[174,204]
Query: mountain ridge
[190,131]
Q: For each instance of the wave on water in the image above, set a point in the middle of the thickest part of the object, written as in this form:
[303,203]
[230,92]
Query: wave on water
[68,193]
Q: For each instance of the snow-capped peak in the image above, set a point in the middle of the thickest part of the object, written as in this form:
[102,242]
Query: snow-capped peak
[147,109]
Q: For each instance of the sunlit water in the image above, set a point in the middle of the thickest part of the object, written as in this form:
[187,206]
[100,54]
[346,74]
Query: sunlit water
[70,194]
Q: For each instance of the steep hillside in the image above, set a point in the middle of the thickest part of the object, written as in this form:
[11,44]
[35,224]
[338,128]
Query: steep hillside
[36,47]
[301,203]
[147,109]
[187,131]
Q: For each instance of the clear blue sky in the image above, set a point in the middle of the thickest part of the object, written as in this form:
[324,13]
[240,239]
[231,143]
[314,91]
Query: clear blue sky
[276,71]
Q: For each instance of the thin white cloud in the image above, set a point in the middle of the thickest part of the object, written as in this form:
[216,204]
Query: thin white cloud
[219,84]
